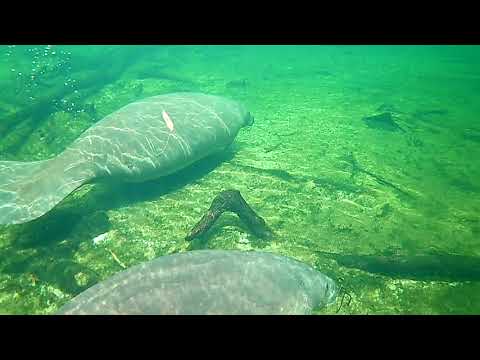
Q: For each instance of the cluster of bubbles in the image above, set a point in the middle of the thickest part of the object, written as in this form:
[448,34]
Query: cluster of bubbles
[68,106]
[36,67]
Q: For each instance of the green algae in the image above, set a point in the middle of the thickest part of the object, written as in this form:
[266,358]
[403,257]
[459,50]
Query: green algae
[291,166]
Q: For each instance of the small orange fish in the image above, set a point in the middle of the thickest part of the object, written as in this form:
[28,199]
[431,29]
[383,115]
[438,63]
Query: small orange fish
[167,120]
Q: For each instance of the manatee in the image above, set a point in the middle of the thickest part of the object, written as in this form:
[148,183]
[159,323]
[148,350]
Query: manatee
[209,282]
[143,140]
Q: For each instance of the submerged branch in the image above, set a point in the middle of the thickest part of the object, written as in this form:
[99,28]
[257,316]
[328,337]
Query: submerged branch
[356,168]
[230,200]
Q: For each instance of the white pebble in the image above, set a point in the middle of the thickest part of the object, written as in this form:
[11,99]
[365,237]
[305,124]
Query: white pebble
[98,239]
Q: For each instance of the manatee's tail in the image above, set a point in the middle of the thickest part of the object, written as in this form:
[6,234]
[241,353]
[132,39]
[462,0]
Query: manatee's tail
[30,189]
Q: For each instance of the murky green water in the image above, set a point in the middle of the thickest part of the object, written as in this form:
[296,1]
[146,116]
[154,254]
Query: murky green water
[358,150]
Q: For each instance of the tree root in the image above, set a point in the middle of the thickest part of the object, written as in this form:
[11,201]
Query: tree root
[230,200]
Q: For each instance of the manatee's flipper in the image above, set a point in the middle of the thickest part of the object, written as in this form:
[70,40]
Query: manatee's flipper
[30,189]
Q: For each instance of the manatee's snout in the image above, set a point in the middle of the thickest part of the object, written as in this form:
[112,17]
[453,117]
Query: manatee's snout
[331,291]
[249,119]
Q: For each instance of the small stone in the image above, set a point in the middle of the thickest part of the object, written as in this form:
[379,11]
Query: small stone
[98,239]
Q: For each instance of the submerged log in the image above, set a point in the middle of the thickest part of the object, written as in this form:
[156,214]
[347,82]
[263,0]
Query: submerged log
[427,267]
[230,200]
[383,121]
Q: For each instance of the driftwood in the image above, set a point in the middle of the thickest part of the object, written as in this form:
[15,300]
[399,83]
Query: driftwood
[230,200]
[356,168]
[383,121]
[429,267]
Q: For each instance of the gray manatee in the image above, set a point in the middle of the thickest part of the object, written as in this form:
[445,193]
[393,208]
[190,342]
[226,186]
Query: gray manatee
[209,282]
[141,141]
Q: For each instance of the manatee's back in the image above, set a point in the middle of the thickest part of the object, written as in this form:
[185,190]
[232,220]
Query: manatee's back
[161,134]
[200,282]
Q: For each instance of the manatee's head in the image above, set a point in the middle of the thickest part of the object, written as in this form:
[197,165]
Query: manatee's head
[249,119]
[330,290]
[324,290]
[321,289]
[246,116]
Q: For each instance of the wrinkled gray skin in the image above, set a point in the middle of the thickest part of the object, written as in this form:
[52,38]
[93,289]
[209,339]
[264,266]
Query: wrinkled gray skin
[132,144]
[207,282]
